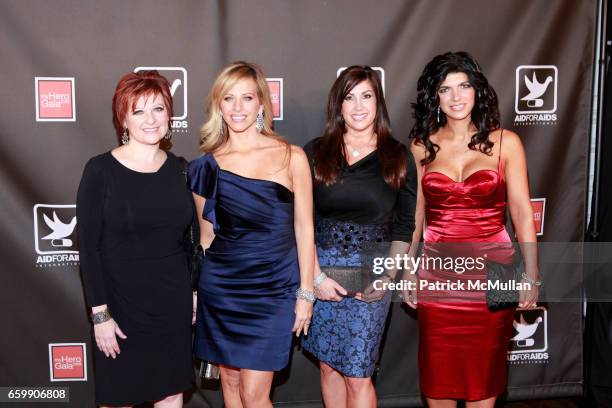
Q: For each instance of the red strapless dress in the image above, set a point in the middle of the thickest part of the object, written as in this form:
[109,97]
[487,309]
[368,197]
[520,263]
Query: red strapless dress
[463,345]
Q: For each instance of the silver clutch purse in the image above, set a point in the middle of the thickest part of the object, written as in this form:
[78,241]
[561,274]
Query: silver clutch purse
[353,279]
[209,371]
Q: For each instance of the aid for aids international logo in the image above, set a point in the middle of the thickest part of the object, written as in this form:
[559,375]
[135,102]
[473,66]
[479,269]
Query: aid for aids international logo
[539,206]
[55,99]
[177,76]
[380,71]
[529,341]
[535,99]
[55,238]
[276,94]
[67,362]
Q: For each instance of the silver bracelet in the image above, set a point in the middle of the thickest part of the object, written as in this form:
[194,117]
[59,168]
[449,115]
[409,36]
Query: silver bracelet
[305,294]
[101,316]
[531,281]
[319,279]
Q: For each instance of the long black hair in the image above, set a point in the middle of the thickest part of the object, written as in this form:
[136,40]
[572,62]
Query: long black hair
[329,150]
[428,119]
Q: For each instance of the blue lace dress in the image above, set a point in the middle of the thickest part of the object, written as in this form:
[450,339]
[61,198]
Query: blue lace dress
[359,209]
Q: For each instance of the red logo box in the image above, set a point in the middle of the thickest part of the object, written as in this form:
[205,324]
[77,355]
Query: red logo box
[67,362]
[276,94]
[539,206]
[54,99]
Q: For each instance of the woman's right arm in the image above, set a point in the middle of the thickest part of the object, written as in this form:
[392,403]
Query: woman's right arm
[207,233]
[206,228]
[90,216]
[418,151]
[326,288]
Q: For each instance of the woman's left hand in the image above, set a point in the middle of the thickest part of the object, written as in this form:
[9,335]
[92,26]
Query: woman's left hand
[529,297]
[370,294]
[195,307]
[303,314]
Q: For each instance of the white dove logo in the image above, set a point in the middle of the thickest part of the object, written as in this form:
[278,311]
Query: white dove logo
[525,331]
[536,90]
[60,231]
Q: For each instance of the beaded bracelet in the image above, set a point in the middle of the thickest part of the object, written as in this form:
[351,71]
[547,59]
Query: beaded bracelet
[319,279]
[101,316]
[305,294]
[531,281]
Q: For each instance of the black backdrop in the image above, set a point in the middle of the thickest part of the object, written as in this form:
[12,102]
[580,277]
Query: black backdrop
[303,43]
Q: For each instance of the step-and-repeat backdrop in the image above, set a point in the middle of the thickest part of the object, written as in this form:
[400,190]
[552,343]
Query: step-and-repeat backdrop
[61,60]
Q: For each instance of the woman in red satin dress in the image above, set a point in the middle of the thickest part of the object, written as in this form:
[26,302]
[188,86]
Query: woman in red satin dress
[467,177]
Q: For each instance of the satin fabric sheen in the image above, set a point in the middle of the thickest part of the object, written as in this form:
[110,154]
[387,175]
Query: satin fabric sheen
[463,346]
[246,294]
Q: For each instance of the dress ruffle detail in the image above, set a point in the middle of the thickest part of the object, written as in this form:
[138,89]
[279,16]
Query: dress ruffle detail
[203,176]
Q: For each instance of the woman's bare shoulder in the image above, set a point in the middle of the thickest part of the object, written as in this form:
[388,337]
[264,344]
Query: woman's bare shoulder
[509,139]
[418,150]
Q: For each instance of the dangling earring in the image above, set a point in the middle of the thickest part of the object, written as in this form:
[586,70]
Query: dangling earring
[168,134]
[259,122]
[125,137]
[439,115]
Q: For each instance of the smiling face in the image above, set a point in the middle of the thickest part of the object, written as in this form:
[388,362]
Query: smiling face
[457,96]
[359,107]
[240,105]
[147,122]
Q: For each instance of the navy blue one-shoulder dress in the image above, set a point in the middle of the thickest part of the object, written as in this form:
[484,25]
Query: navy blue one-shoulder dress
[246,293]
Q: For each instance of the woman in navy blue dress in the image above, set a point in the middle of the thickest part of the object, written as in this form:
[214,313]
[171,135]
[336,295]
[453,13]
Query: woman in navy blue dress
[365,194]
[254,193]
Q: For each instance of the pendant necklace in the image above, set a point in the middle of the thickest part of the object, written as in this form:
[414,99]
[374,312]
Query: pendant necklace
[353,151]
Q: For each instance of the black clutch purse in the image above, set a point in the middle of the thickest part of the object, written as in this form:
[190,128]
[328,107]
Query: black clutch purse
[191,242]
[502,280]
[195,255]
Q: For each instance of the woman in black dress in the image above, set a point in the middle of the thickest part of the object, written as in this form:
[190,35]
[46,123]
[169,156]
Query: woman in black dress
[133,207]
[364,194]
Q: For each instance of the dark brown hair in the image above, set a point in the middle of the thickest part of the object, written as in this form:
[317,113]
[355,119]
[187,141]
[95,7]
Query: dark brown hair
[485,114]
[329,150]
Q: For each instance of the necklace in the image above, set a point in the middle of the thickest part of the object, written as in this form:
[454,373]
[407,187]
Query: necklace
[354,151]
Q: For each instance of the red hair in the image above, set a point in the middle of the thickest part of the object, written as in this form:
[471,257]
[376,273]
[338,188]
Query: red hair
[134,85]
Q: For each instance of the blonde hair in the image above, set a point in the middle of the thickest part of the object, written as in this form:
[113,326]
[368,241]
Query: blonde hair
[214,132]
